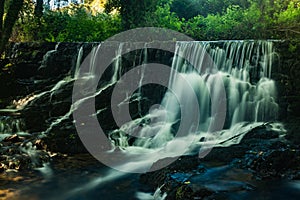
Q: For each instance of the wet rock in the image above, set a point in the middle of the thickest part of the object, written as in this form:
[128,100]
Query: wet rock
[262,132]
[226,155]
[287,79]
[186,191]
[182,164]
[275,163]
[26,70]
[8,83]
[30,51]
[22,157]
[293,133]
[263,154]
[39,112]
[2,167]
[40,144]
[13,139]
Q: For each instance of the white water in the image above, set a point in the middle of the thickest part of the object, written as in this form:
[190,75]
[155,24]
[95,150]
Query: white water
[245,102]
[157,195]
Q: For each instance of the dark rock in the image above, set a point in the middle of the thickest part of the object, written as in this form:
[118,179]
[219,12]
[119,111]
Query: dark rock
[26,70]
[18,156]
[186,191]
[261,132]
[293,134]
[8,84]
[182,164]
[14,138]
[226,155]
[40,144]
[275,163]
[59,61]
[64,142]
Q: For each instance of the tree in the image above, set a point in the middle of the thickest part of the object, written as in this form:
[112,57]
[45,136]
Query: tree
[38,11]
[190,8]
[133,12]
[8,17]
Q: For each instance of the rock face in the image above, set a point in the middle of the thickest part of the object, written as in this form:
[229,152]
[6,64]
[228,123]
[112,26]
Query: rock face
[46,72]
[287,79]
[33,69]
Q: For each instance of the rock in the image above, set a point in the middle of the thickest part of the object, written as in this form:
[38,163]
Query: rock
[275,163]
[59,61]
[261,132]
[13,139]
[293,133]
[40,144]
[22,156]
[26,70]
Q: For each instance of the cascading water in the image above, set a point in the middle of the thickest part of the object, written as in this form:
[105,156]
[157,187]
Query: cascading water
[246,100]
[240,69]
[10,125]
[245,69]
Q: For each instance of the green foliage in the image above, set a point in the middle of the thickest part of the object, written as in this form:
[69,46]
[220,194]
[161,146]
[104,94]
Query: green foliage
[190,8]
[290,18]
[200,19]
[222,26]
[164,18]
[292,48]
[229,25]
[72,24]
[133,12]
[83,26]
[253,22]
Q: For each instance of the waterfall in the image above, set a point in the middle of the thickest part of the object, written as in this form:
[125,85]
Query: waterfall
[78,62]
[246,70]
[217,92]
[243,67]
[10,125]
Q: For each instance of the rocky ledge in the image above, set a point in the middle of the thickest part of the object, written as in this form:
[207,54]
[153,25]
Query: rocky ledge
[263,155]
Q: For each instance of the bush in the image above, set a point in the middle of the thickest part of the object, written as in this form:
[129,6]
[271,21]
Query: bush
[72,24]
[255,19]
[164,18]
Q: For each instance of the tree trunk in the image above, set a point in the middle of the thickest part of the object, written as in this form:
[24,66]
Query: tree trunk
[38,11]
[8,22]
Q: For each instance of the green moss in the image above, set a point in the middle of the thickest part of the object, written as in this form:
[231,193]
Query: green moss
[184,192]
[34,53]
[72,136]
[7,66]
[180,193]
[292,48]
